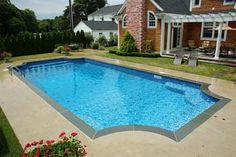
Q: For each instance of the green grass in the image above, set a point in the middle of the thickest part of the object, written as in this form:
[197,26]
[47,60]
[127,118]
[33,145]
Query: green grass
[37,56]
[205,69]
[9,144]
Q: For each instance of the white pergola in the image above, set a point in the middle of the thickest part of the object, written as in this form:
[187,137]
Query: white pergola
[210,17]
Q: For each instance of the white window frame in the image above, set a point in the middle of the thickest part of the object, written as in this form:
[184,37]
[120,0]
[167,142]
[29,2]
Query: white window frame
[123,26]
[228,3]
[213,33]
[148,19]
[196,6]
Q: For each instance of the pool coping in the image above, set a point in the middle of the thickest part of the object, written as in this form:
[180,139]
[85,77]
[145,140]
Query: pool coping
[93,134]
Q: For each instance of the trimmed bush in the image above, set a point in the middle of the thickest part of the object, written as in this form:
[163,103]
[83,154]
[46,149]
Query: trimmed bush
[134,54]
[95,45]
[113,41]
[128,44]
[102,41]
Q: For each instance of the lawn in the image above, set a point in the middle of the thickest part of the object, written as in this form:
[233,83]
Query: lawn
[9,144]
[205,69]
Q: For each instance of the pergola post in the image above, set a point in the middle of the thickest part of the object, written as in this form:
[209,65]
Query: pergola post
[218,43]
[168,38]
[162,35]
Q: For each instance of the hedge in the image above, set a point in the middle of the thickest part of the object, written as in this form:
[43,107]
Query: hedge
[26,43]
[134,54]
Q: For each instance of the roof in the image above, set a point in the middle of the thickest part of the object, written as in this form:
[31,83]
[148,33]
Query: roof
[101,25]
[174,6]
[113,9]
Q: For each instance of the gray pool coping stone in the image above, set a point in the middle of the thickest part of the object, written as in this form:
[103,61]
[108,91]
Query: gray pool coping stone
[93,134]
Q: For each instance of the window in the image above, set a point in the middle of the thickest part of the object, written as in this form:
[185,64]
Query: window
[124,21]
[151,20]
[209,32]
[196,3]
[226,2]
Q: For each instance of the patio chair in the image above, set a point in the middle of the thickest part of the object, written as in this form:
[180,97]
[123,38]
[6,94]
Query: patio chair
[205,46]
[178,58]
[208,48]
[191,45]
[193,59]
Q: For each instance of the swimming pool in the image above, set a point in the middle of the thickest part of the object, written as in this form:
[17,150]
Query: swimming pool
[102,98]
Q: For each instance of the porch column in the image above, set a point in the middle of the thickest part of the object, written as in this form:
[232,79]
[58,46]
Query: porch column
[168,38]
[218,43]
[162,35]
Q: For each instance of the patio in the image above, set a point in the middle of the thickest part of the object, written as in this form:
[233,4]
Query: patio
[216,137]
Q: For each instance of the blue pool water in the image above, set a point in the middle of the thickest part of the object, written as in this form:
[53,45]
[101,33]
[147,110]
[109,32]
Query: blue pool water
[105,95]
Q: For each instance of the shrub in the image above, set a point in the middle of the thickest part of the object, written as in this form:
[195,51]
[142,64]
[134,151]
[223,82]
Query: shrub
[134,54]
[95,45]
[74,46]
[128,44]
[65,146]
[113,41]
[148,46]
[89,39]
[63,49]
[59,49]
[102,41]
[101,48]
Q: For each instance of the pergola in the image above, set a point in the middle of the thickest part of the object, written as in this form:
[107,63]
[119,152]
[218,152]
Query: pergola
[207,17]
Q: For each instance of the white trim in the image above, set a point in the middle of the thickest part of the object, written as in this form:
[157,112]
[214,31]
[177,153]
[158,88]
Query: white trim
[228,3]
[196,6]
[213,33]
[122,8]
[162,35]
[148,18]
[156,5]
[220,17]
[125,16]
[181,36]
[168,38]
[219,39]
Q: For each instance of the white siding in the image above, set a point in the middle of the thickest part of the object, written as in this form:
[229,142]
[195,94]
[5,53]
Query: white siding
[99,18]
[105,33]
[82,26]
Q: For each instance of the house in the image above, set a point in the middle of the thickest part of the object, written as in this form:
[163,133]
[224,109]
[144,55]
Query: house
[101,22]
[97,28]
[105,14]
[170,24]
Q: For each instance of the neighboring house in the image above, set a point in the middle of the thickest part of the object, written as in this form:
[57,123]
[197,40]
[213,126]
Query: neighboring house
[170,24]
[101,22]
[105,14]
[97,28]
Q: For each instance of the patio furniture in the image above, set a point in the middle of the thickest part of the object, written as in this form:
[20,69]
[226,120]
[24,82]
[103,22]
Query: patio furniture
[193,59]
[191,45]
[178,58]
[208,48]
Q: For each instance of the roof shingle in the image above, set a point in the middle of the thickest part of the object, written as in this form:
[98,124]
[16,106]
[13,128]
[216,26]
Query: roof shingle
[101,25]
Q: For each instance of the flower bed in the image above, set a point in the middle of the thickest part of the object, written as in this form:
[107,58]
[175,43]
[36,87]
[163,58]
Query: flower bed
[68,146]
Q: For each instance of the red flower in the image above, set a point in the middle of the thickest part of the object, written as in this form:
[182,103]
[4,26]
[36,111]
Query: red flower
[84,153]
[34,143]
[37,153]
[27,145]
[73,134]
[25,155]
[50,142]
[62,134]
[67,150]
[41,142]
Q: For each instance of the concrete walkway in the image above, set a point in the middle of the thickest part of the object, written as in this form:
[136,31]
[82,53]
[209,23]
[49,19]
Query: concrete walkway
[32,118]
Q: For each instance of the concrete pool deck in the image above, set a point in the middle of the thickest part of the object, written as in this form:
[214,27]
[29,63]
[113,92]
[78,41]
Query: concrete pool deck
[32,118]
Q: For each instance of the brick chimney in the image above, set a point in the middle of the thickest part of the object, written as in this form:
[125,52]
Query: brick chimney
[136,14]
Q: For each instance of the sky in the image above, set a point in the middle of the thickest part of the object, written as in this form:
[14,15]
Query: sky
[49,8]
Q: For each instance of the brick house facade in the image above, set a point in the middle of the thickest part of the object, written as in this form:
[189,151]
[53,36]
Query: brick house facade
[182,20]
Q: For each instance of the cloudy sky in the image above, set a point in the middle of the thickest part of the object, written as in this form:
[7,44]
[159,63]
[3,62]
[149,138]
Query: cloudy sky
[49,8]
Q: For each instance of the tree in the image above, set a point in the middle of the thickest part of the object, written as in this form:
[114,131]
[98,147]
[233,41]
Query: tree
[45,25]
[82,8]
[61,23]
[128,43]
[16,25]
[30,20]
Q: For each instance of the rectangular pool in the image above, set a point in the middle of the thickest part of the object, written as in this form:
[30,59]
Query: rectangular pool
[107,98]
